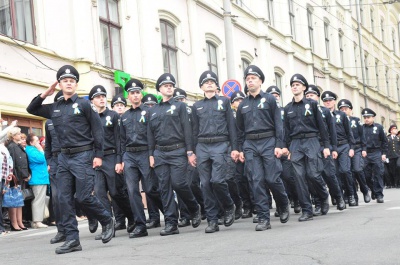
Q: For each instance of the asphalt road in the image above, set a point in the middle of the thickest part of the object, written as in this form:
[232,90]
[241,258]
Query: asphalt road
[367,234]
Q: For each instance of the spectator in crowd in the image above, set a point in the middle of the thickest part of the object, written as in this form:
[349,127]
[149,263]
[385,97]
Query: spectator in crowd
[20,170]
[6,169]
[23,140]
[39,180]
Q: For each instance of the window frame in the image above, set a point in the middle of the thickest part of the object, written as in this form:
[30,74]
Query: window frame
[372,21]
[377,74]
[292,20]
[14,24]
[169,48]
[383,30]
[271,13]
[366,69]
[209,63]
[341,49]
[310,28]
[111,24]
[327,41]
[387,81]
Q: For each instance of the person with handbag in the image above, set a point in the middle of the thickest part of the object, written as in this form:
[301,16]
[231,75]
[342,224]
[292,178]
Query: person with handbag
[39,180]
[6,167]
[21,172]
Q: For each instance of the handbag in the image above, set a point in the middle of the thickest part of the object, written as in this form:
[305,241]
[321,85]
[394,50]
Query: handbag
[12,198]
[28,194]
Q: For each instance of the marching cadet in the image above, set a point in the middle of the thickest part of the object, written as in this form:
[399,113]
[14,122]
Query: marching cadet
[170,149]
[118,104]
[109,179]
[377,147]
[260,141]
[393,156]
[135,151]
[79,130]
[357,162]
[345,146]
[214,129]
[329,172]
[149,100]
[287,169]
[192,172]
[52,150]
[243,184]
[304,128]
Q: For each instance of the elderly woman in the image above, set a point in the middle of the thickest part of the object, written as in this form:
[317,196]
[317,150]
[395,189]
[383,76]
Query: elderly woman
[20,170]
[40,178]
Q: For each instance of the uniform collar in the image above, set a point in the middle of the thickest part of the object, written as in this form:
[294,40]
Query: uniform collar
[73,98]
[105,112]
[261,94]
[170,101]
[303,100]
[140,107]
[213,97]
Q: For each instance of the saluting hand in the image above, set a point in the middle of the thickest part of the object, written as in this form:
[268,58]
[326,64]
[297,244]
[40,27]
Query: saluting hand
[50,90]
[97,162]
[241,157]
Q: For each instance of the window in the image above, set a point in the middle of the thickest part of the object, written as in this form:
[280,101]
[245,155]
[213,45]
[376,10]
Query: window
[394,40]
[310,28]
[341,48]
[16,19]
[245,64]
[292,22]
[271,12]
[383,30]
[398,88]
[355,58]
[27,125]
[362,12]
[278,83]
[377,74]
[366,69]
[110,33]
[387,81]
[169,49]
[326,32]
[372,21]
[212,57]
[239,2]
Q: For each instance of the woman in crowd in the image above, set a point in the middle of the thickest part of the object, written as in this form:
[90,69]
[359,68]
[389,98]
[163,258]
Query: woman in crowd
[40,179]
[20,170]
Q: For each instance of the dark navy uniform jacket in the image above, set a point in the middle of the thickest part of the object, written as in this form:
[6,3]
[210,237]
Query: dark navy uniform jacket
[52,143]
[393,147]
[259,114]
[214,118]
[357,129]
[169,124]
[329,122]
[75,120]
[112,139]
[133,129]
[343,129]
[375,137]
[304,117]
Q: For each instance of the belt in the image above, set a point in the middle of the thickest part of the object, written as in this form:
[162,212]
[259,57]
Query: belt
[342,142]
[304,135]
[213,139]
[55,154]
[260,135]
[110,152]
[136,148]
[74,150]
[170,147]
[369,150]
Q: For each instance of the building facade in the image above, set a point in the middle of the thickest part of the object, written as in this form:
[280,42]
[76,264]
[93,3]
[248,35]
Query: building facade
[144,39]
